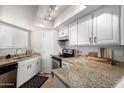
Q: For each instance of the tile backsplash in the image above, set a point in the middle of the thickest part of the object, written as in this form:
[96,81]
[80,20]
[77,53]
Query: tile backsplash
[11,51]
[117,50]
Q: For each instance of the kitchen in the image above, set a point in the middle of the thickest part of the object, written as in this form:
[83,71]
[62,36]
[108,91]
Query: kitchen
[61,46]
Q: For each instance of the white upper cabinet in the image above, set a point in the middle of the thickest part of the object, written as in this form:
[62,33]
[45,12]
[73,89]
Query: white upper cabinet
[63,32]
[122,25]
[85,30]
[73,33]
[6,34]
[106,25]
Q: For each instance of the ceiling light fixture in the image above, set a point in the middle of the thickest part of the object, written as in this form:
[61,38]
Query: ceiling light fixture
[45,21]
[56,8]
[50,17]
[51,9]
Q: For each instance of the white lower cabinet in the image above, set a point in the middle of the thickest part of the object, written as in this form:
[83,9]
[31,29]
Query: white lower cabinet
[38,65]
[27,69]
[57,83]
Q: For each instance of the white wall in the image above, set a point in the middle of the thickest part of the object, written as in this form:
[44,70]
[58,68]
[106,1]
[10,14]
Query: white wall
[18,15]
[45,42]
[12,51]
[36,40]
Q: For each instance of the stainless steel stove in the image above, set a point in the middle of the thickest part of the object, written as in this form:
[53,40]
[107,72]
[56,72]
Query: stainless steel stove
[57,59]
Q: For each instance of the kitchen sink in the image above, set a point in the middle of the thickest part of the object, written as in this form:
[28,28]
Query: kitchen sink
[20,57]
[17,58]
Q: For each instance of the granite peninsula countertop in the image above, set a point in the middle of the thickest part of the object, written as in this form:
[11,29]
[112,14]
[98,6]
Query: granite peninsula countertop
[4,62]
[89,74]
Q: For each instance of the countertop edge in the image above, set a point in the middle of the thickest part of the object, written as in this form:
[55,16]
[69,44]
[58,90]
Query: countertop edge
[64,82]
[17,61]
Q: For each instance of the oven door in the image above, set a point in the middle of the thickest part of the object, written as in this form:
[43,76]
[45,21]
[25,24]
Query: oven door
[56,63]
[8,76]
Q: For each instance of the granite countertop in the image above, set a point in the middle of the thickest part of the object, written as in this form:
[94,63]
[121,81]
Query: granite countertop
[4,62]
[89,74]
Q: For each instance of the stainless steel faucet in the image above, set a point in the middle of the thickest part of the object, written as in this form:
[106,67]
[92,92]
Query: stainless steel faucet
[17,51]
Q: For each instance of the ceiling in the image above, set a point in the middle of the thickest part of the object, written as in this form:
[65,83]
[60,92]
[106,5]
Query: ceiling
[64,15]
[43,12]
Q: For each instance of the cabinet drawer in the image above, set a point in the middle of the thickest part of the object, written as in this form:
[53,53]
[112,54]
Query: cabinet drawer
[66,64]
[21,63]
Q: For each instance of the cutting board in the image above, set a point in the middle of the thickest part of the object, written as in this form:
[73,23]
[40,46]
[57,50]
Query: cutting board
[104,55]
[99,59]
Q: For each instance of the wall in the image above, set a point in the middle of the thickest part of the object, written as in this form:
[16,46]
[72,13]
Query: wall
[44,41]
[19,15]
[4,52]
[117,50]
[36,40]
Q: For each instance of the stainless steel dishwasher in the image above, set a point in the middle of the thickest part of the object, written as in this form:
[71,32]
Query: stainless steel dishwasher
[8,75]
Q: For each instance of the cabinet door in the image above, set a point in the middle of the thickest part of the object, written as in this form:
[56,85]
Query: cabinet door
[23,74]
[66,64]
[73,33]
[38,69]
[85,30]
[106,25]
[33,68]
[63,32]
[20,39]
[6,34]
[26,70]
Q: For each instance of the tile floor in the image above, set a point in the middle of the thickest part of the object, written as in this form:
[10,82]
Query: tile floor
[49,81]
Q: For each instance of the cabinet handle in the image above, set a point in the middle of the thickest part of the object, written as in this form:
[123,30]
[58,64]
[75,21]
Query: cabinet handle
[27,67]
[90,40]
[64,64]
[95,39]
[30,65]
